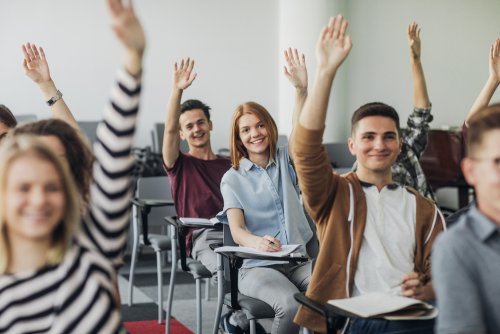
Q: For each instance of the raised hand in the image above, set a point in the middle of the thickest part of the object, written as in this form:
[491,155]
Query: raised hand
[35,64]
[295,69]
[127,26]
[414,40]
[494,61]
[333,45]
[182,77]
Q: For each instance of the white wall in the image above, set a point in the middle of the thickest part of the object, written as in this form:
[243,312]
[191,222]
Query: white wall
[238,48]
[456,37]
[233,43]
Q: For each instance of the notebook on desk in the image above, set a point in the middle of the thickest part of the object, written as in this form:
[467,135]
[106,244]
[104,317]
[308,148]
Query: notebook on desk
[197,222]
[386,306]
[286,250]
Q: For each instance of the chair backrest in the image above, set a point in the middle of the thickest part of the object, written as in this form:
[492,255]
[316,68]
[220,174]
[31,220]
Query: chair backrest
[89,129]
[156,187]
[339,155]
[157,139]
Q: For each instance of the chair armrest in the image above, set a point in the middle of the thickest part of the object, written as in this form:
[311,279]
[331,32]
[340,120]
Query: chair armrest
[335,318]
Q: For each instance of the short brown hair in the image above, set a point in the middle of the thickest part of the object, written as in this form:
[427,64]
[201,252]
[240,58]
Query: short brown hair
[80,157]
[7,117]
[375,109]
[483,121]
[236,148]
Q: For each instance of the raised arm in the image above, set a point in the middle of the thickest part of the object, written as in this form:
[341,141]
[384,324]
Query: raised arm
[296,72]
[332,49]
[415,134]
[420,95]
[491,85]
[108,219]
[37,69]
[182,78]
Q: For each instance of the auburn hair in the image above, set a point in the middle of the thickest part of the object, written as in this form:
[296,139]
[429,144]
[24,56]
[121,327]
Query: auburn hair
[237,150]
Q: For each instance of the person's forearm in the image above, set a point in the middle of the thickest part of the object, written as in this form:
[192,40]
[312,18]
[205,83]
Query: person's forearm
[133,61]
[60,109]
[483,98]
[313,114]
[420,94]
[300,99]
[171,139]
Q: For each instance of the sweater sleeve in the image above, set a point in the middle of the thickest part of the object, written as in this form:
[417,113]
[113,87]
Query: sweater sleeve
[107,221]
[317,181]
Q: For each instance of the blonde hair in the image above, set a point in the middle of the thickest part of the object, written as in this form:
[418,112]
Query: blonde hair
[236,148]
[13,148]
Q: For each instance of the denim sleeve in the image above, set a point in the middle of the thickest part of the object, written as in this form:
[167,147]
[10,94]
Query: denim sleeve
[230,196]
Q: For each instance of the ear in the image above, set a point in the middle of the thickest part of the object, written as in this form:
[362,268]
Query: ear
[181,134]
[350,145]
[468,171]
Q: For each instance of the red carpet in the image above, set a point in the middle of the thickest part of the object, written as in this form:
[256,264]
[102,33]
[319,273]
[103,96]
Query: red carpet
[152,327]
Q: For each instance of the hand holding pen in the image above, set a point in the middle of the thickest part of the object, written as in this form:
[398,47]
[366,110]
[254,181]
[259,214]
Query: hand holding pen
[269,244]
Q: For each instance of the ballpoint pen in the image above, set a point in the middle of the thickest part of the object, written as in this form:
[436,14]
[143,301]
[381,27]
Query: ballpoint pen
[275,237]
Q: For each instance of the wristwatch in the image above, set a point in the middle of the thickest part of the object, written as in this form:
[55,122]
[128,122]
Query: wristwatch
[55,98]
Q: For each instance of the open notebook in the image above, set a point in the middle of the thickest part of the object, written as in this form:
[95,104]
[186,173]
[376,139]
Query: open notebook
[285,250]
[387,306]
[197,222]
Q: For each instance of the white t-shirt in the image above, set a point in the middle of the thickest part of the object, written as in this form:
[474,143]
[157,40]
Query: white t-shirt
[388,248]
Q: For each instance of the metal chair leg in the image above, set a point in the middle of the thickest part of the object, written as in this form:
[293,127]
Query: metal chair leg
[198,305]
[173,272]
[252,326]
[207,289]
[159,269]
[133,261]
[220,293]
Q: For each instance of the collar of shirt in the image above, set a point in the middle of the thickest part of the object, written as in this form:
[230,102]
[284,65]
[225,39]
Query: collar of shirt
[247,164]
[482,226]
[390,186]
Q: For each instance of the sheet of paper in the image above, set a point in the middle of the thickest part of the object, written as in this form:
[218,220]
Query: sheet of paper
[285,250]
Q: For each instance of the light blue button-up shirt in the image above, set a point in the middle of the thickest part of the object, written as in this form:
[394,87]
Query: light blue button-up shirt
[269,198]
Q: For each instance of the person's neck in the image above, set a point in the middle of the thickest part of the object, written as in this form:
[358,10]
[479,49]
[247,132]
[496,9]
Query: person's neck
[489,211]
[27,255]
[261,160]
[379,179]
[203,153]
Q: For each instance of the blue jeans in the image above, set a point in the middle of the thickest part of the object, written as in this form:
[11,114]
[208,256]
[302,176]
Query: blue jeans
[382,326]
[276,286]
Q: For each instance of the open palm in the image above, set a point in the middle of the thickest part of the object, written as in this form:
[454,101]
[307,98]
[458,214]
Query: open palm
[35,64]
[495,60]
[333,46]
[182,78]
[295,68]
[414,40]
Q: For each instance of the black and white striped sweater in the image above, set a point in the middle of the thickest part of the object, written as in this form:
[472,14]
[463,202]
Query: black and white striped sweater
[76,296]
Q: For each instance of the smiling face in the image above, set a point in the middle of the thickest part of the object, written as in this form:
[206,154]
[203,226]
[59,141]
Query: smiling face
[376,144]
[195,128]
[254,137]
[35,200]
